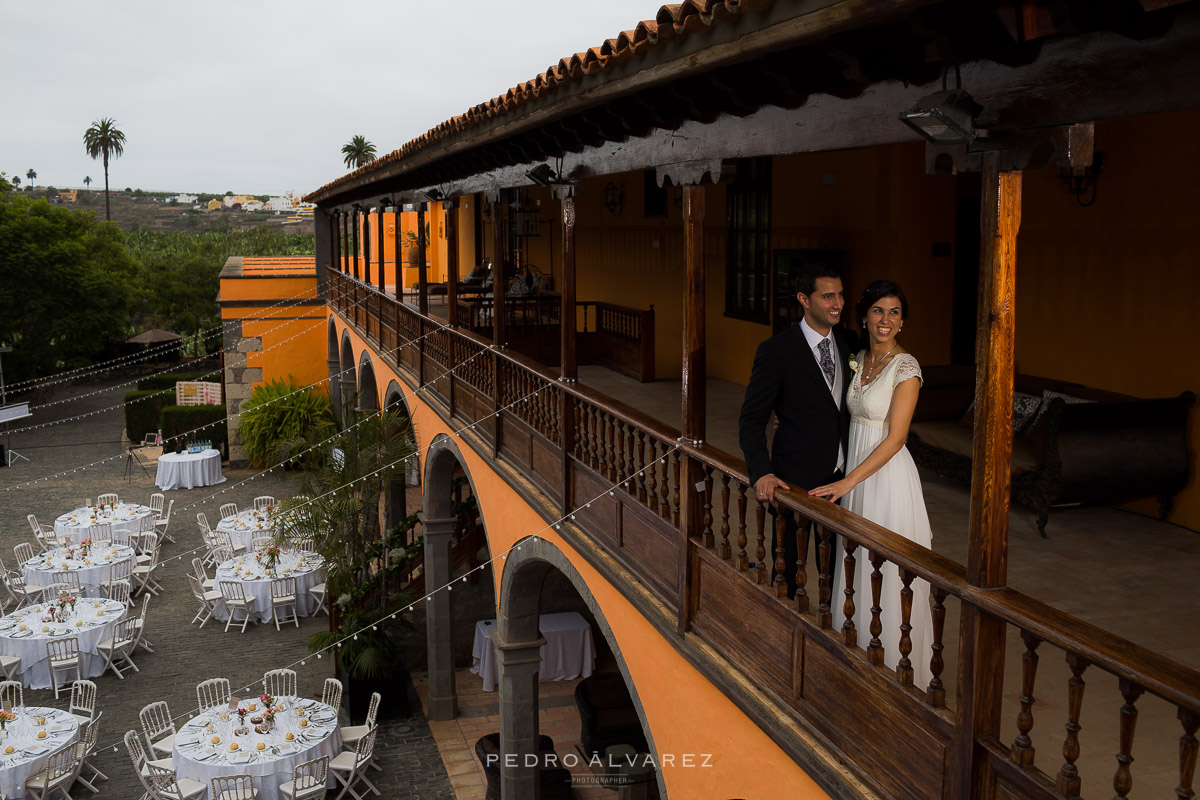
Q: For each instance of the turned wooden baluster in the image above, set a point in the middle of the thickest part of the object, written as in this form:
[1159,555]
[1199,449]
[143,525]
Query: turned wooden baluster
[605,450]
[590,424]
[675,460]
[1022,746]
[651,496]
[849,632]
[1123,779]
[1187,753]
[630,464]
[824,585]
[936,696]
[726,551]
[904,668]
[707,519]
[1068,782]
[802,527]
[875,646]
[780,565]
[760,552]
[664,503]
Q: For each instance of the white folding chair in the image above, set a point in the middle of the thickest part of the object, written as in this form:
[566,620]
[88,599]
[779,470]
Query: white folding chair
[164,522]
[262,501]
[139,623]
[301,544]
[280,682]
[308,780]
[260,543]
[119,572]
[101,532]
[120,536]
[236,601]
[14,582]
[233,787]
[283,597]
[118,650]
[107,499]
[212,693]
[9,665]
[331,695]
[143,574]
[158,727]
[202,576]
[119,591]
[23,552]
[320,593]
[67,582]
[84,751]
[349,768]
[207,601]
[143,766]
[44,535]
[57,776]
[351,734]
[63,656]
[168,786]
[226,541]
[156,504]
[83,701]
[229,510]
[12,693]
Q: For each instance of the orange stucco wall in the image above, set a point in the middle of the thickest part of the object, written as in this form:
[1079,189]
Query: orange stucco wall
[686,713]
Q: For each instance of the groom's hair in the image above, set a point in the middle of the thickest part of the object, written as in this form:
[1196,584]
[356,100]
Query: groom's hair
[806,279]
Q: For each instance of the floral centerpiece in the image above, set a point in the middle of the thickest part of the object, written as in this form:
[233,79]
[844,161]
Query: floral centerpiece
[85,546]
[66,604]
[5,718]
[269,558]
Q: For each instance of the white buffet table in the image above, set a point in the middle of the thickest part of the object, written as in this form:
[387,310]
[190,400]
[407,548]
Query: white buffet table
[189,470]
[568,652]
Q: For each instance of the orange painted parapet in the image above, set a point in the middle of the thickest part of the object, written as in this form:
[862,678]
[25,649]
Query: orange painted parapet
[706,746]
[293,347]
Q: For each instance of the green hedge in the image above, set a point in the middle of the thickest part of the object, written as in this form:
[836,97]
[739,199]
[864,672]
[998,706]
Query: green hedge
[141,417]
[168,379]
[179,420]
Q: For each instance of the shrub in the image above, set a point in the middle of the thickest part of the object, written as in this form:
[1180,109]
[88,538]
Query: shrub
[179,421]
[278,412]
[142,411]
[168,379]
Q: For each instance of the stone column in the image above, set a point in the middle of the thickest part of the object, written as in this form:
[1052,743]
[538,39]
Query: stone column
[439,620]
[519,664]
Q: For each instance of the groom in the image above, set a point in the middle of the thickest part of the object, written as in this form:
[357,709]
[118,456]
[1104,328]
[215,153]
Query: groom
[800,374]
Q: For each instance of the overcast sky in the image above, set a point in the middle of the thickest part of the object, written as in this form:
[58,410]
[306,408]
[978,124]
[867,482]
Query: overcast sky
[259,97]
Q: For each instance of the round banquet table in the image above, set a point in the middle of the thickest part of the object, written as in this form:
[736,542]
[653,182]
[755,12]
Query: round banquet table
[243,528]
[304,566]
[93,570]
[92,622]
[189,470]
[196,756]
[75,526]
[30,753]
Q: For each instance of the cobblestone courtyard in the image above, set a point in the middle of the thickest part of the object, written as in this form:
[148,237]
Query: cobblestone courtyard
[184,655]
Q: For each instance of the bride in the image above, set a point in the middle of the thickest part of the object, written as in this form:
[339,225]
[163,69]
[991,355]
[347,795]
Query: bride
[881,482]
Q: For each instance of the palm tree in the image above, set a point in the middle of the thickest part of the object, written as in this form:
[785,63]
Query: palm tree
[104,140]
[16,179]
[358,151]
[87,181]
[31,174]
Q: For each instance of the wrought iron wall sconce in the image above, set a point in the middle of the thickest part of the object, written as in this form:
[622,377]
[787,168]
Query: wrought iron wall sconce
[614,199]
[1081,181]
[435,194]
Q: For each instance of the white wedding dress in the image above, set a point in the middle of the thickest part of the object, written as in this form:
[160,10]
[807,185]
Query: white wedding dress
[892,498]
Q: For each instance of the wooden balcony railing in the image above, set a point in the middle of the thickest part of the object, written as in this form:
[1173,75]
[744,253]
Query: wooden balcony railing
[701,546]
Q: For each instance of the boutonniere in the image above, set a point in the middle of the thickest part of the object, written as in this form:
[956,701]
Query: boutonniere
[854,363]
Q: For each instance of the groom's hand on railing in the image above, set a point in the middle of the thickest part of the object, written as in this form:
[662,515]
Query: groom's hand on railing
[766,486]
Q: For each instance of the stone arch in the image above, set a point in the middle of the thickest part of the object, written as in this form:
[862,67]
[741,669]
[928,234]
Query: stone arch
[368,393]
[441,458]
[526,566]
[333,361]
[396,504]
[346,383]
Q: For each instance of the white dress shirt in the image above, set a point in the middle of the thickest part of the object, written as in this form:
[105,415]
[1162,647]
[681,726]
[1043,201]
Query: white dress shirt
[814,340]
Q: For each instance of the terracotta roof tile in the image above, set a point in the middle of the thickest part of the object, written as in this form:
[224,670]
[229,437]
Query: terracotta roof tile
[672,22]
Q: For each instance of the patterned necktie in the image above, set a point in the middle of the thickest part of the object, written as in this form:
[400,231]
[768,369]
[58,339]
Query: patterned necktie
[826,360]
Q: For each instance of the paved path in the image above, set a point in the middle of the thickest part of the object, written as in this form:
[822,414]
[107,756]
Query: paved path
[184,655]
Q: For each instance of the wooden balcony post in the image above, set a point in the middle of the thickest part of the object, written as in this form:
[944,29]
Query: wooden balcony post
[981,661]
[331,217]
[498,277]
[354,241]
[451,208]
[422,274]
[366,234]
[570,367]
[342,242]
[381,248]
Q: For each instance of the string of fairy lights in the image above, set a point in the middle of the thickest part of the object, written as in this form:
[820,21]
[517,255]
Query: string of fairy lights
[92,370]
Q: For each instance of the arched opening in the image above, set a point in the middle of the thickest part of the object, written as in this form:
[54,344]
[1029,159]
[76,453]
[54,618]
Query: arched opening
[540,590]
[456,550]
[346,385]
[333,362]
[397,500]
[368,395]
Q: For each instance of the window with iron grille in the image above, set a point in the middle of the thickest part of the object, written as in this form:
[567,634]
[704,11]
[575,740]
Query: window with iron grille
[748,242]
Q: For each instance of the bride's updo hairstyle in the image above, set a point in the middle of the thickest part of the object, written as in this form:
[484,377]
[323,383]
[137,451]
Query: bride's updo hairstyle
[874,292]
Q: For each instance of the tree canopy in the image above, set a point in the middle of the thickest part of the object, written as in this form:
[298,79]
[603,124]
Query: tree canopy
[358,151]
[66,286]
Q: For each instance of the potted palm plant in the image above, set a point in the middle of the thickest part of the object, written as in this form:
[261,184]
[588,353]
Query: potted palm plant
[338,506]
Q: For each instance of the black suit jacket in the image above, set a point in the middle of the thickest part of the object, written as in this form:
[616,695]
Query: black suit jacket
[786,379]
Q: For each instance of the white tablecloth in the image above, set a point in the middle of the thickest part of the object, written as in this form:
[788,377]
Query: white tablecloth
[98,616]
[75,526]
[256,583]
[568,652]
[246,526]
[271,766]
[93,570]
[189,470]
[30,753]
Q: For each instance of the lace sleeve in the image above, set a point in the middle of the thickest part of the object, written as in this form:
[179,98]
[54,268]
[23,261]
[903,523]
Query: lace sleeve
[906,367]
